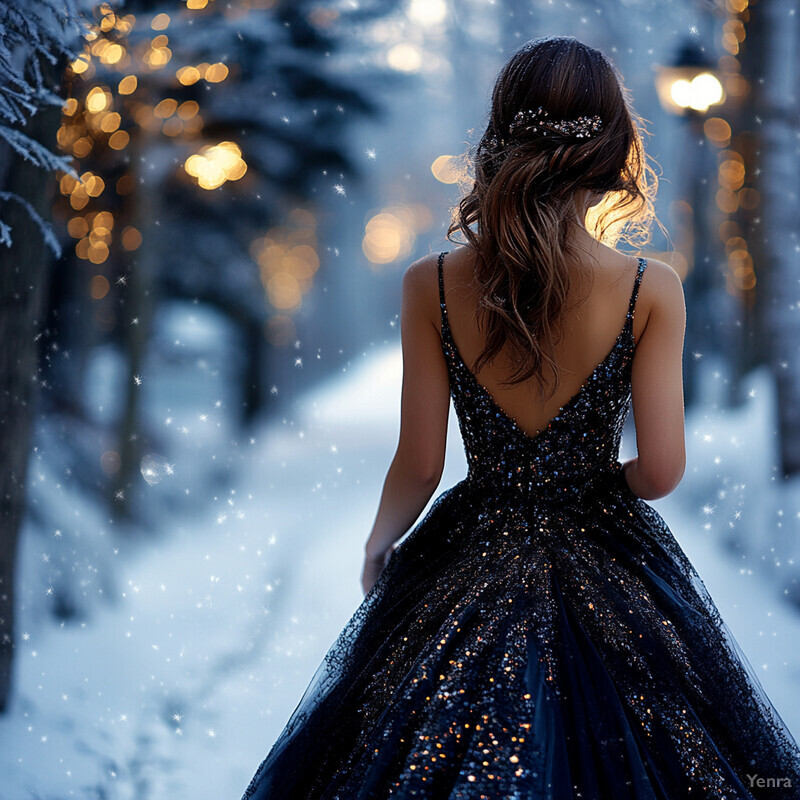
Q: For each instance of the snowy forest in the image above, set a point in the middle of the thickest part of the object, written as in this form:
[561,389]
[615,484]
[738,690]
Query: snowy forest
[206,210]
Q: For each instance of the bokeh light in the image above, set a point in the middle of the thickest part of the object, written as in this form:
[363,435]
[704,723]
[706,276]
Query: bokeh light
[390,234]
[215,164]
[445,169]
[287,259]
[427,12]
[703,91]
[404,57]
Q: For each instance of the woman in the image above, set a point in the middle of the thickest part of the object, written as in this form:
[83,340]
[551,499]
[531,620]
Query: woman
[539,634]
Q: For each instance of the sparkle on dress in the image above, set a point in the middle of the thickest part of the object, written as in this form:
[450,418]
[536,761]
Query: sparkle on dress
[538,635]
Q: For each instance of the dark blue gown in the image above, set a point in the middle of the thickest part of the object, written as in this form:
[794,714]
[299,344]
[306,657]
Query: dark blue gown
[539,635]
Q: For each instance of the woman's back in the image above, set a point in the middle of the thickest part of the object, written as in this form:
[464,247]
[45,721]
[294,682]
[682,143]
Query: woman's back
[595,313]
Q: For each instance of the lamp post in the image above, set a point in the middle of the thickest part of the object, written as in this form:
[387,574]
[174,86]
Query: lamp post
[688,88]
[691,85]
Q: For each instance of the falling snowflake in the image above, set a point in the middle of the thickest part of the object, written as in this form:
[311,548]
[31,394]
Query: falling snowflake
[370,151]
[339,189]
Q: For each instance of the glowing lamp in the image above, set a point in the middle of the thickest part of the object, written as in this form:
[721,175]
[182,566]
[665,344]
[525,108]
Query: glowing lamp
[691,84]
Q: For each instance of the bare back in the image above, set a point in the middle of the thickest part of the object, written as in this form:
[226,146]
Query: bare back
[594,316]
[591,324]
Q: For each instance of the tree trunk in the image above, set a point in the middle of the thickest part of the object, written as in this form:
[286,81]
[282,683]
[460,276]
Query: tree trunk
[23,281]
[136,324]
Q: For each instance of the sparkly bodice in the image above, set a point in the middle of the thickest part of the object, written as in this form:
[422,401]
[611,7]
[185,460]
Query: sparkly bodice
[580,444]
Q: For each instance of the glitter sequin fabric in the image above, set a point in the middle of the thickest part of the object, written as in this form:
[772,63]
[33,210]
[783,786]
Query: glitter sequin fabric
[538,635]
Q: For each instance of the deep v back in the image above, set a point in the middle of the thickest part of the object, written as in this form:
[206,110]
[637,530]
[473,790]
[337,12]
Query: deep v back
[585,431]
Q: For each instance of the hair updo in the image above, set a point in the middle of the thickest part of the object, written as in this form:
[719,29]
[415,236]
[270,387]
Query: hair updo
[528,165]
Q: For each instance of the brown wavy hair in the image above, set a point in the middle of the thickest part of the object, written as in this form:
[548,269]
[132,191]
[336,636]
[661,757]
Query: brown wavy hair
[521,200]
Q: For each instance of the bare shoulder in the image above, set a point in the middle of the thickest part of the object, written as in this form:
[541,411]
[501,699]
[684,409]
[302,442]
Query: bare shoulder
[660,274]
[661,293]
[421,286]
[422,274]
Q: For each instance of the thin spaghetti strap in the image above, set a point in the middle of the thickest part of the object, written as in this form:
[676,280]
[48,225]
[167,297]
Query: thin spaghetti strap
[636,284]
[442,306]
[441,280]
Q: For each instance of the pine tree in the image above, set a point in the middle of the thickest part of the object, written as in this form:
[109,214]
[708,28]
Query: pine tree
[34,46]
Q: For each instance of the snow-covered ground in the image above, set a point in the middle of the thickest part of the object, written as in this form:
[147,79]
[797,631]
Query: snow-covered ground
[178,685]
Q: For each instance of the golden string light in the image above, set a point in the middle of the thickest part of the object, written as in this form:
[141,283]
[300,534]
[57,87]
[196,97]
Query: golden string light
[108,109]
[215,164]
[734,196]
[93,232]
[211,73]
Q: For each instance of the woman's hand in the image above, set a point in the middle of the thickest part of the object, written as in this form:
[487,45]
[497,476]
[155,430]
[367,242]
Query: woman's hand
[374,562]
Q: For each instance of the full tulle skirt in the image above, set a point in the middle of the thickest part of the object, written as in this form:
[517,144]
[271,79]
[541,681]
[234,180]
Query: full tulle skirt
[534,650]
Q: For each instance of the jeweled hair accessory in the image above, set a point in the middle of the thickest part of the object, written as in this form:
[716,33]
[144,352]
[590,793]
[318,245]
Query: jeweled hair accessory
[538,122]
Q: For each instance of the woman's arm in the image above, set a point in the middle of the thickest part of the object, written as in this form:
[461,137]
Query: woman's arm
[418,462]
[657,387]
